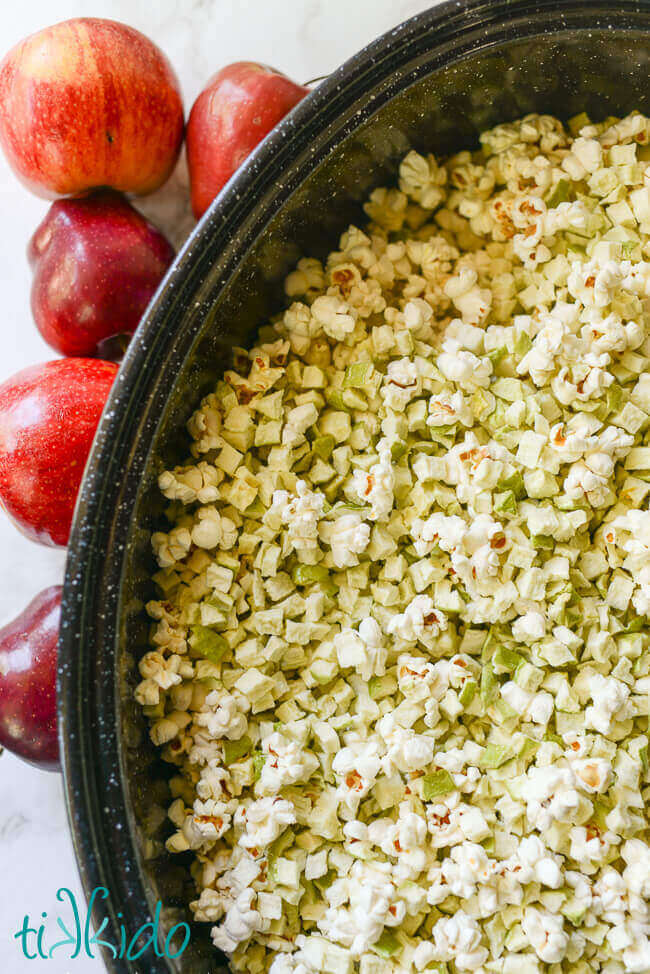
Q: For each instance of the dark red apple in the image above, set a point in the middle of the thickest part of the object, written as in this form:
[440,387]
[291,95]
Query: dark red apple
[88,103]
[233,113]
[48,417]
[28,655]
[96,264]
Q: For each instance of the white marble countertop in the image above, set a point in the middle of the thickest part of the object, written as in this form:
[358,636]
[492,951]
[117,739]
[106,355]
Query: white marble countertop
[304,38]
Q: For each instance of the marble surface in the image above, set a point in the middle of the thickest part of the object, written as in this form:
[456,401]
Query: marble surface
[306,39]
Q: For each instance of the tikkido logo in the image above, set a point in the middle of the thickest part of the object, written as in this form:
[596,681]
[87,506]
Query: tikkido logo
[77,927]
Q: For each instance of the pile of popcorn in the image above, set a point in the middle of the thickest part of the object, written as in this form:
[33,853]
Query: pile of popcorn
[400,660]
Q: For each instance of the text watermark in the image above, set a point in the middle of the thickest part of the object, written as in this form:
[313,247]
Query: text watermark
[78,936]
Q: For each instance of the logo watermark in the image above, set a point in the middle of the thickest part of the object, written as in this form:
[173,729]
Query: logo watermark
[80,940]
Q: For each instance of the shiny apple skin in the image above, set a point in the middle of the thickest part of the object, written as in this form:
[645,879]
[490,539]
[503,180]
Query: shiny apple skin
[233,113]
[88,103]
[48,417]
[97,262]
[28,659]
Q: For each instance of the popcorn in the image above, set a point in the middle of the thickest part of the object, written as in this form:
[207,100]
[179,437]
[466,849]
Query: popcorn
[374,904]
[347,537]
[609,698]
[462,367]
[213,529]
[589,846]
[447,532]
[467,868]
[422,179]
[417,677]
[264,820]
[221,717]
[376,487]
[472,301]
[581,482]
[529,628]
[593,284]
[285,764]
[240,923]
[401,384]
[611,334]
[190,484]
[420,621]
[358,765]
[546,934]
[458,938]
[172,547]
[399,659]
[589,153]
[610,896]
[404,839]
[417,316]
[209,821]
[406,750]
[550,795]
[636,855]
[445,410]
[300,514]
[636,955]
[534,863]
[331,314]
[593,774]
[363,650]
[551,340]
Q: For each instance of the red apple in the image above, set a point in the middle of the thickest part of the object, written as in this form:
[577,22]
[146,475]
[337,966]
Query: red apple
[233,113]
[96,264]
[48,417]
[88,103]
[28,655]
